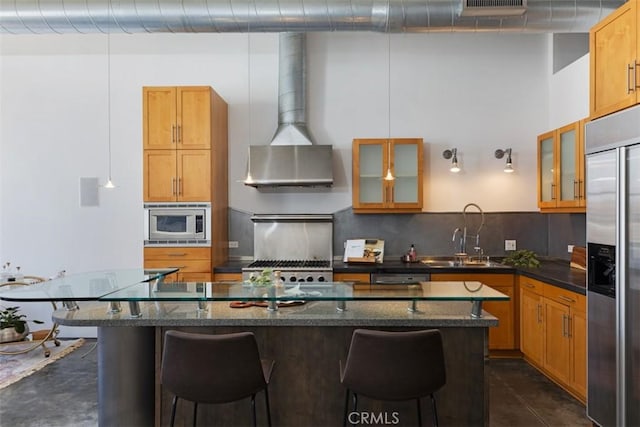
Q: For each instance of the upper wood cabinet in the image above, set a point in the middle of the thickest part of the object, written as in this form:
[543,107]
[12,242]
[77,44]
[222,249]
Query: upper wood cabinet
[561,172]
[372,159]
[177,117]
[177,175]
[182,126]
[614,47]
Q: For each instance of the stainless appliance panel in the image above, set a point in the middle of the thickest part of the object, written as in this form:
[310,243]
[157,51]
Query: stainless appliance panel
[632,289]
[601,194]
[601,347]
[294,237]
[399,279]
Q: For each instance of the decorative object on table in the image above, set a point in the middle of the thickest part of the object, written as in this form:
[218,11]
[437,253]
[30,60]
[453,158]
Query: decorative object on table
[38,337]
[13,325]
[263,279]
[522,258]
[368,251]
[579,258]
[22,363]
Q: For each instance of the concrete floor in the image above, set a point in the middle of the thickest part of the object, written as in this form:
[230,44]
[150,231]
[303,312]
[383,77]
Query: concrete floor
[64,394]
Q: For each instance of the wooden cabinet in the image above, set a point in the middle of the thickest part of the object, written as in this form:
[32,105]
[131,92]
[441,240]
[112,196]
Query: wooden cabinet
[501,337]
[615,57]
[553,333]
[182,126]
[360,280]
[561,171]
[227,277]
[185,152]
[177,175]
[194,263]
[177,117]
[372,160]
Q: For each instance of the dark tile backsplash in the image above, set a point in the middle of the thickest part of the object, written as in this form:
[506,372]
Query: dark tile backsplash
[431,233]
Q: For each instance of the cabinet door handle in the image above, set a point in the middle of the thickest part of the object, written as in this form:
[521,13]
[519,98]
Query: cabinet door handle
[538,313]
[529,285]
[635,74]
[179,186]
[177,254]
[569,334]
[564,325]
[553,191]
[173,134]
[173,186]
[630,69]
[576,190]
[179,134]
[563,298]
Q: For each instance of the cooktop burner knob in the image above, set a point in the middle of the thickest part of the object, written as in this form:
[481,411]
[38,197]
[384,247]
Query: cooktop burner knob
[293,279]
[309,278]
[321,279]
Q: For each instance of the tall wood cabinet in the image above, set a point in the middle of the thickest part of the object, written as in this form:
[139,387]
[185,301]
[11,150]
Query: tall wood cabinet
[185,152]
[614,47]
[553,333]
[372,159]
[561,169]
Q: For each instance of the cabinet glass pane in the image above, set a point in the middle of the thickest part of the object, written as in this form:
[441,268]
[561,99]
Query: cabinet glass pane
[370,160]
[568,165]
[405,166]
[405,160]
[370,179]
[546,169]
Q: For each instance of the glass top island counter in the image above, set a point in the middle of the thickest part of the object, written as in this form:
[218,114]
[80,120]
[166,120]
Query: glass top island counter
[306,328]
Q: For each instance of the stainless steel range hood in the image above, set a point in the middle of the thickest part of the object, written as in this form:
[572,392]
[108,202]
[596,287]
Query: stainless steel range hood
[290,166]
[291,160]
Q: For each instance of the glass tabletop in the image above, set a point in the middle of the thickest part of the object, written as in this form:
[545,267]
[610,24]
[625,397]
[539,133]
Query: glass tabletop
[309,291]
[83,286]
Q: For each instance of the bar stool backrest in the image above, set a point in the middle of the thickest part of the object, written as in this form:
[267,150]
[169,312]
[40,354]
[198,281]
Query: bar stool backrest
[395,365]
[212,368]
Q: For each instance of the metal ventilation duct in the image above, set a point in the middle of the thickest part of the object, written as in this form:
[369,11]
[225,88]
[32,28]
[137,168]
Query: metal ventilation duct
[291,160]
[221,16]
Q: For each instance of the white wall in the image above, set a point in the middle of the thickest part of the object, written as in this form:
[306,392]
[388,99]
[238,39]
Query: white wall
[475,92]
[569,90]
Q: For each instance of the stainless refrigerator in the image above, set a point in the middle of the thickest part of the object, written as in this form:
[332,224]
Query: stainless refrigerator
[612,147]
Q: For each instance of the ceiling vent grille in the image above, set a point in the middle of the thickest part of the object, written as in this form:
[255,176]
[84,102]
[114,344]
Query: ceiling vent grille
[493,7]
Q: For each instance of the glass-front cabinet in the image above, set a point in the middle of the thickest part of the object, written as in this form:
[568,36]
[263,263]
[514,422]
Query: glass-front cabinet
[387,175]
[561,185]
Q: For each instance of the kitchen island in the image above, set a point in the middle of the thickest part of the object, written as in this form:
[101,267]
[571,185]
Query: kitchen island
[306,341]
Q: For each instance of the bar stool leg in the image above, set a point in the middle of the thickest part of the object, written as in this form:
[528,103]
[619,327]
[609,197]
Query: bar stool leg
[253,410]
[195,413]
[435,412]
[266,399]
[346,409]
[419,413]
[173,410]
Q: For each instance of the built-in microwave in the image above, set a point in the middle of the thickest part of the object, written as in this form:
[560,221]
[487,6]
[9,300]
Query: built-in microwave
[173,224]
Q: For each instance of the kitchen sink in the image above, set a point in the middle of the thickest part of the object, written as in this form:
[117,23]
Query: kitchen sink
[453,261]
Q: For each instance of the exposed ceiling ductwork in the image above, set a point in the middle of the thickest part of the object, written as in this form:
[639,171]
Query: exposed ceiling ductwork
[224,16]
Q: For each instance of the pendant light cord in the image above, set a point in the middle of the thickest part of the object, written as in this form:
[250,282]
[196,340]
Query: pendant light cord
[109,183]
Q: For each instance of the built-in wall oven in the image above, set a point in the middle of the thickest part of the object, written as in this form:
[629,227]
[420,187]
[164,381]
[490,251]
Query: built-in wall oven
[168,224]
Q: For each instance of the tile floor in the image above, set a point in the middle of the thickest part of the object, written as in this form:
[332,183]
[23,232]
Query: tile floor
[64,394]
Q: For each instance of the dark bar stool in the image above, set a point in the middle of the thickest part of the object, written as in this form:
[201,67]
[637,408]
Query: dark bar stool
[205,368]
[394,366]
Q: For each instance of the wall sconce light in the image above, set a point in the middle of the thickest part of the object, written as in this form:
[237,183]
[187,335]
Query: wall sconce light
[453,155]
[508,168]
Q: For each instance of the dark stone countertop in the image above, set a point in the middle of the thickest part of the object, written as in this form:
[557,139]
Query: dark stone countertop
[554,271]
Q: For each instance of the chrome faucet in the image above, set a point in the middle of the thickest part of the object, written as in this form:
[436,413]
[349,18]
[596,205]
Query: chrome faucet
[463,243]
[453,239]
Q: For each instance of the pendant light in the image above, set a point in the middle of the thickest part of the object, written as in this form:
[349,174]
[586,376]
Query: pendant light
[389,176]
[109,183]
[248,178]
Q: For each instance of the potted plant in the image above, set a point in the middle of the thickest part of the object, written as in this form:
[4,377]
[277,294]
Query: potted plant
[13,325]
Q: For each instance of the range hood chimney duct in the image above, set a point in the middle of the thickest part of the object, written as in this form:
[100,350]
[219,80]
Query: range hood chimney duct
[291,159]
